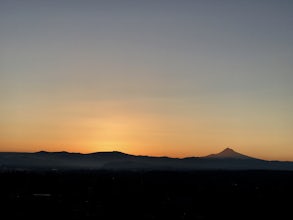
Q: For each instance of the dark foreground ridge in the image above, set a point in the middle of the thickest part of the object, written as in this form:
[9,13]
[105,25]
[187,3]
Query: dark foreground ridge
[228,159]
[114,185]
[197,195]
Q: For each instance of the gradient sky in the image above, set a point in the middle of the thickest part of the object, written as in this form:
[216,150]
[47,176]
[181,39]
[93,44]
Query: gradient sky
[174,78]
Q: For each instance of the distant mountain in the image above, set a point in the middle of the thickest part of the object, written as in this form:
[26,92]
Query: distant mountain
[111,155]
[227,159]
[229,153]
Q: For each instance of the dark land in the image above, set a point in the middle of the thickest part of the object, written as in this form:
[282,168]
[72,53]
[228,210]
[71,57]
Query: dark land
[106,194]
[227,159]
[114,185]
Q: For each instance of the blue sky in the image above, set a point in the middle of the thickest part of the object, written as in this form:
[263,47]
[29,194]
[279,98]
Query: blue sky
[147,77]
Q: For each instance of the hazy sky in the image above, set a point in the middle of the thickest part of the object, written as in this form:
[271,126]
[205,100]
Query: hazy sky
[176,78]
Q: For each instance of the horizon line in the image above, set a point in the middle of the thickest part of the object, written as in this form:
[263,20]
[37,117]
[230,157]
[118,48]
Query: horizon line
[142,155]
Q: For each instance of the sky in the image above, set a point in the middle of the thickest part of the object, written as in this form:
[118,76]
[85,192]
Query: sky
[147,77]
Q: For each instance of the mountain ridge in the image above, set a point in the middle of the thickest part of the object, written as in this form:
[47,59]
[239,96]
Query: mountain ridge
[226,153]
[229,153]
[228,159]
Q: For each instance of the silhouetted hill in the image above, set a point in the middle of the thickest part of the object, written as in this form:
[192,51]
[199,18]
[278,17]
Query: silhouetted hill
[110,155]
[229,153]
[228,159]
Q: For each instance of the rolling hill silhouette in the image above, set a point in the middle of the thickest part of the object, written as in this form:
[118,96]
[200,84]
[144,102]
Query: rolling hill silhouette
[228,159]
